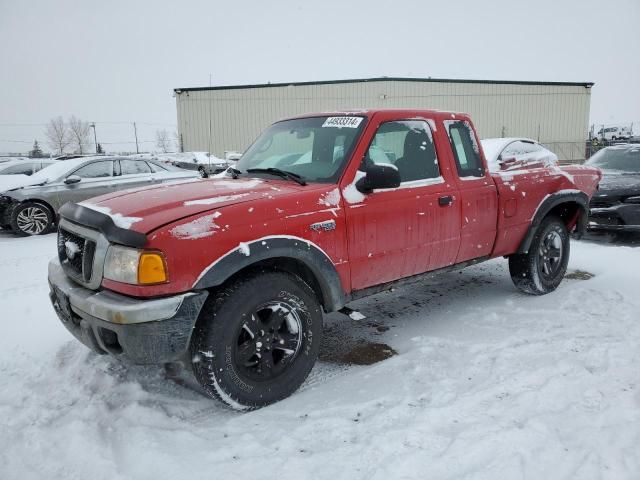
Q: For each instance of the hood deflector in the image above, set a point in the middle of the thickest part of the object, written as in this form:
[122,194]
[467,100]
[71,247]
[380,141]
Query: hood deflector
[103,223]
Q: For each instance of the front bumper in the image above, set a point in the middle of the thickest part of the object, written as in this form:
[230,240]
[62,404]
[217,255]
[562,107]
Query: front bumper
[620,217]
[144,331]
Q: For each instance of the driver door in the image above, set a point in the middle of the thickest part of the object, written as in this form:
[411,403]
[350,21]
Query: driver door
[404,231]
[95,179]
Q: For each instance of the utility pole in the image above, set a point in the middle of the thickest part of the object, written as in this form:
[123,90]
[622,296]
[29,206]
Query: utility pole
[95,138]
[210,126]
[135,132]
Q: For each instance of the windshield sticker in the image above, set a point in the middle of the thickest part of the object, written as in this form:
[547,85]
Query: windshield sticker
[339,122]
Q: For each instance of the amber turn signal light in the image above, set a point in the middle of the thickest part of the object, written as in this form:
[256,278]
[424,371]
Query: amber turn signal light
[152,268]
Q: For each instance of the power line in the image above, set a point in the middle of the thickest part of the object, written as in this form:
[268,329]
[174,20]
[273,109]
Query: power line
[96,122]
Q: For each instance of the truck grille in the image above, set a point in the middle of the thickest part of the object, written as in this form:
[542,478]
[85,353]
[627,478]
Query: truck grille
[76,254]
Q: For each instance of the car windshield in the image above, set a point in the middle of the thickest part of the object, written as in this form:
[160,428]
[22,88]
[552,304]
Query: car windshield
[315,148]
[616,159]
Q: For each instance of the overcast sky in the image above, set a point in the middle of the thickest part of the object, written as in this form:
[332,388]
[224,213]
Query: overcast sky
[116,61]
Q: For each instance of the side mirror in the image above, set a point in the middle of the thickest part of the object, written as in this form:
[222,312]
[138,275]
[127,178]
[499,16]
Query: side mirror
[71,179]
[379,176]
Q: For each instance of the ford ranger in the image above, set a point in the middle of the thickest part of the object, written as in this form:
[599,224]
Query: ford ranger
[229,276]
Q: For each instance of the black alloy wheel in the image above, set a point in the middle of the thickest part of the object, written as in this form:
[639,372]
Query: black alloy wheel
[541,269]
[257,338]
[268,341]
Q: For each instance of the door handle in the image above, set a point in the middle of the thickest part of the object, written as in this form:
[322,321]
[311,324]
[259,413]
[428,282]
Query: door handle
[446,200]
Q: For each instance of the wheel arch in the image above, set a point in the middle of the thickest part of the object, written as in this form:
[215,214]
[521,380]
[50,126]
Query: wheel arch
[572,207]
[291,254]
[42,202]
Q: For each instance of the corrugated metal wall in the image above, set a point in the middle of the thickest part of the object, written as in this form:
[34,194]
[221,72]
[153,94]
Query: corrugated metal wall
[220,120]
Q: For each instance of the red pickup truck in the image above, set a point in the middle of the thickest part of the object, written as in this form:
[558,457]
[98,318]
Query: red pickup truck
[230,276]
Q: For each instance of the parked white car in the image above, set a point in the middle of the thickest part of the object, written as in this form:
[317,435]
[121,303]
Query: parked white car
[516,153]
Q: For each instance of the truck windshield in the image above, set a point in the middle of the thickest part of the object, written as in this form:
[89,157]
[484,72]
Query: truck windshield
[315,148]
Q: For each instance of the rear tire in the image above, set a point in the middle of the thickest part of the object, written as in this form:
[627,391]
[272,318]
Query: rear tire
[203,172]
[542,268]
[30,218]
[257,339]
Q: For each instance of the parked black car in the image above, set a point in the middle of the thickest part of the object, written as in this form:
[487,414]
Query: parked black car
[616,205]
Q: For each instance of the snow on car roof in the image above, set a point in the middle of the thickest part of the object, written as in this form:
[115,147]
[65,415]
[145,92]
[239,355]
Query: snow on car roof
[493,146]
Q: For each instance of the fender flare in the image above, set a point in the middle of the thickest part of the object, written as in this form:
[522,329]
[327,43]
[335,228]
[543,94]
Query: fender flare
[548,204]
[273,247]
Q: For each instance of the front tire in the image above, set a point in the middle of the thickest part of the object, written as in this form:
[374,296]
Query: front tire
[542,268]
[30,218]
[257,339]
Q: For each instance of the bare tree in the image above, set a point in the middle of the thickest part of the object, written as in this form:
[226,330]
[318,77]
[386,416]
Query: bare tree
[57,134]
[163,140]
[79,134]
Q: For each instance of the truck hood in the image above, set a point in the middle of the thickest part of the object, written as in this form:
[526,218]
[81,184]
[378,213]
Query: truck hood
[146,209]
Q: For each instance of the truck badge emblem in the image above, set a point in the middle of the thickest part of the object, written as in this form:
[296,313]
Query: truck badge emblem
[326,226]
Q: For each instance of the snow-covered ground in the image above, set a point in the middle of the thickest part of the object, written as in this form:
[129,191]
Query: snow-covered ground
[488,384]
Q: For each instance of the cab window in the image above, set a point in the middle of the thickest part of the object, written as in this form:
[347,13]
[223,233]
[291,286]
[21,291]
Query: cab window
[407,145]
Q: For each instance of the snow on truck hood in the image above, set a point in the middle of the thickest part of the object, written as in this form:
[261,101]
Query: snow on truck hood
[145,209]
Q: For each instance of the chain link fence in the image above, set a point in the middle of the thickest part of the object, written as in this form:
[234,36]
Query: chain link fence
[579,152]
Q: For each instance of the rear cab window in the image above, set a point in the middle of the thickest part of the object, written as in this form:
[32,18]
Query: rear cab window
[466,152]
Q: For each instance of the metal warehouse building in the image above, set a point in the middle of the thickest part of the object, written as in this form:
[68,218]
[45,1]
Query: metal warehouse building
[228,118]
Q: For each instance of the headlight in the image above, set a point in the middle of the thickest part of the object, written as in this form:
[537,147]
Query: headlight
[136,267]
[635,199]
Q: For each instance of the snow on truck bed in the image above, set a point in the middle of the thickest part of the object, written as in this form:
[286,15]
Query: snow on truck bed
[488,383]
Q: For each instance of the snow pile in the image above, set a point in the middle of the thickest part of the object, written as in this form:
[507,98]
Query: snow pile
[493,147]
[331,198]
[244,249]
[355,315]
[488,383]
[72,248]
[199,228]
[238,183]
[351,193]
[218,199]
[118,219]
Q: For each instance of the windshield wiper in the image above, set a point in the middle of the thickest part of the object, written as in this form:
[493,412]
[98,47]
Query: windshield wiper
[281,173]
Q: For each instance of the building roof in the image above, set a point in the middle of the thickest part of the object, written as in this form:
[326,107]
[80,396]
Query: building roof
[386,79]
